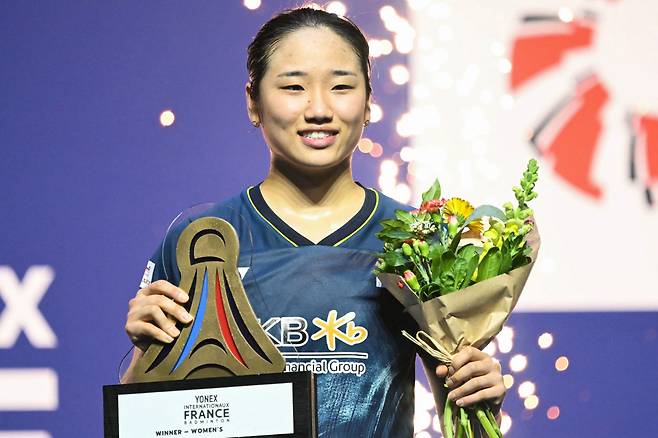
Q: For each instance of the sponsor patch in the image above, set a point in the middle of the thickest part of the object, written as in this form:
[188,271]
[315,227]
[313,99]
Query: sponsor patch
[148,275]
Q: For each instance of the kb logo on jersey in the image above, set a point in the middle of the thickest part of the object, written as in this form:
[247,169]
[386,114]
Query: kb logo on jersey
[294,330]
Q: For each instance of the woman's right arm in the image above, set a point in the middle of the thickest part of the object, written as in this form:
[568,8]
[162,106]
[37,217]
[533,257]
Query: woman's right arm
[152,315]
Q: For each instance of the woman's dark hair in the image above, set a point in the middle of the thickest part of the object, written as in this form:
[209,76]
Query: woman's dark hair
[288,21]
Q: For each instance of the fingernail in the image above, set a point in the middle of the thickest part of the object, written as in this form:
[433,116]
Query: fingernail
[183,297]
[187,317]
[449,381]
[451,396]
[460,402]
[169,339]
[173,331]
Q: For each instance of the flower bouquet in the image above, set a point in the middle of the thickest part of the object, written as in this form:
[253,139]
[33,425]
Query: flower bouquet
[459,271]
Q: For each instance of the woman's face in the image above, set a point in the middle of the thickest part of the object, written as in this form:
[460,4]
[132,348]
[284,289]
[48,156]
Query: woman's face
[312,102]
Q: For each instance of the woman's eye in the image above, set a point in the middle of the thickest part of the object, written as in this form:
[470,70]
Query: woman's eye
[343,87]
[293,87]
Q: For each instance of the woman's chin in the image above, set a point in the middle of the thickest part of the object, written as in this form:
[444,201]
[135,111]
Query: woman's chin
[317,162]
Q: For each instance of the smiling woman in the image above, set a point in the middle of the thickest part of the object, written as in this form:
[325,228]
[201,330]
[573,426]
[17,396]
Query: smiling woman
[311,101]
[313,228]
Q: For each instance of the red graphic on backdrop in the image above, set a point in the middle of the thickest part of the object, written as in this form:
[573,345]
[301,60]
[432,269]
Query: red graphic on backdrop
[569,136]
[544,45]
[644,152]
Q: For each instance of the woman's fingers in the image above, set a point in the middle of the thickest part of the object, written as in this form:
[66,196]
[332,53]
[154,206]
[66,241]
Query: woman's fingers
[477,389]
[471,364]
[441,371]
[173,309]
[140,306]
[141,330]
[491,393]
[466,355]
[153,314]
[162,287]
[473,376]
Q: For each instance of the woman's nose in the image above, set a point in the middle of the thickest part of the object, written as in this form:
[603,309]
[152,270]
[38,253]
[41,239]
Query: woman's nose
[318,108]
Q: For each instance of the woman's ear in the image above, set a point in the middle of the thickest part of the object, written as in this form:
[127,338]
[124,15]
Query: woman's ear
[367,112]
[252,107]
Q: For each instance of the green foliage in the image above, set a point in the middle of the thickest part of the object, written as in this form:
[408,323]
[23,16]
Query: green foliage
[423,243]
[490,264]
[434,192]
[405,217]
[394,259]
[392,235]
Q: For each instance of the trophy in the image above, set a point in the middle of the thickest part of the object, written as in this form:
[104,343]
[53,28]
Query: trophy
[223,375]
[225,337]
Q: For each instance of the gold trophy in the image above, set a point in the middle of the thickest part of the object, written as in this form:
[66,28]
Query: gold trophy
[225,337]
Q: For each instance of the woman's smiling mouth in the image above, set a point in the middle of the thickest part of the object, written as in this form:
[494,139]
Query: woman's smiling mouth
[318,138]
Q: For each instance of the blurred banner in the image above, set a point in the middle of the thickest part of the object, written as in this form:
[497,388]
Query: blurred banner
[494,84]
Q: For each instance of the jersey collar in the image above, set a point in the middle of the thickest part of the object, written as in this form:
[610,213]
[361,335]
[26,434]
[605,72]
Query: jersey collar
[350,228]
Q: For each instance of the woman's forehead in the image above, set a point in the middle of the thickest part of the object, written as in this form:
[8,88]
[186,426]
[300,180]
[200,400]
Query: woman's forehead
[312,50]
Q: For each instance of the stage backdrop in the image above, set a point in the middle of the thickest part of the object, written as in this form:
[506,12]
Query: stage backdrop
[115,117]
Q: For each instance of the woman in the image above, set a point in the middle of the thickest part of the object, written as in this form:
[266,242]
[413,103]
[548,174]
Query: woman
[313,226]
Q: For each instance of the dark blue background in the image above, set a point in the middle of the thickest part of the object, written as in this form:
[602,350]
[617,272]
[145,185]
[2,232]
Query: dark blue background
[90,180]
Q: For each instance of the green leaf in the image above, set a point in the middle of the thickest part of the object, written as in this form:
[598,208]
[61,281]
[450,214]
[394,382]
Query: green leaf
[433,192]
[424,275]
[486,210]
[472,266]
[405,216]
[455,242]
[423,293]
[468,251]
[490,264]
[441,264]
[520,260]
[471,256]
[460,270]
[393,223]
[505,262]
[464,267]
[447,281]
[436,250]
[434,290]
[394,259]
[390,234]
[423,216]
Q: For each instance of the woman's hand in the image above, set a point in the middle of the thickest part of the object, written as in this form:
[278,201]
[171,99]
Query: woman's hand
[473,377]
[153,313]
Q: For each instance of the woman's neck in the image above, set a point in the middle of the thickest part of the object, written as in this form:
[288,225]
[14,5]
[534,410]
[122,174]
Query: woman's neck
[304,190]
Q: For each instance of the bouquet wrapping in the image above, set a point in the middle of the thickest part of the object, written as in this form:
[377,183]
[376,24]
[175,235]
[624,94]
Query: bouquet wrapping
[474,316]
[458,271]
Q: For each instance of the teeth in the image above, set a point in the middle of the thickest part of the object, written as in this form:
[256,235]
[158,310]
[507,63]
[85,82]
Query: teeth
[316,134]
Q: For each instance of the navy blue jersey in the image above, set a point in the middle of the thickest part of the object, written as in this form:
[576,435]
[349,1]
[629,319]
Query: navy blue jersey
[321,306]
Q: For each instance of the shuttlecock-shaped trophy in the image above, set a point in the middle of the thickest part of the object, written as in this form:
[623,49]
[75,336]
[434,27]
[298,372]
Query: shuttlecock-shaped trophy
[225,337]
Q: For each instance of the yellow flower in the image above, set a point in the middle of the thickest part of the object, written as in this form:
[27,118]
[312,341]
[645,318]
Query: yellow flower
[461,209]
[457,207]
